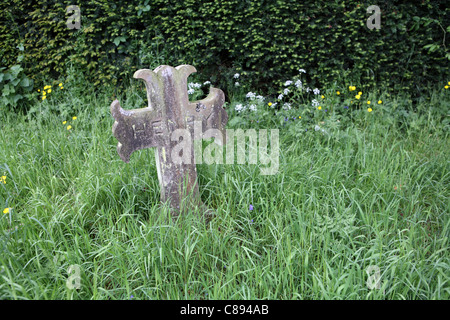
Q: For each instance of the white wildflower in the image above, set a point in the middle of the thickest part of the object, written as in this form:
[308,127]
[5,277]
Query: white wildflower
[286,91]
[287,106]
[315,103]
[194,85]
[260,98]
[252,107]
[191,91]
[288,83]
[316,91]
[298,84]
[239,107]
[280,97]
[236,75]
[317,128]
[301,70]
[273,105]
[206,83]
[237,84]
[308,89]
[251,95]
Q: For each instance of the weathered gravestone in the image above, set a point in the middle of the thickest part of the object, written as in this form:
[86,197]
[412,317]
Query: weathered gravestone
[169,111]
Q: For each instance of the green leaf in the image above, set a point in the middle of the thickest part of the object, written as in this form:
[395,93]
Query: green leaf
[17,97]
[234,121]
[117,41]
[16,69]
[25,82]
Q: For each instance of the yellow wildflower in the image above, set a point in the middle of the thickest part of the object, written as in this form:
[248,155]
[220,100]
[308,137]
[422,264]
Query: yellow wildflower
[49,90]
[446,87]
[69,127]
[61,87]
[370,109]
[60,84]
[357,96]
[360,93]
[44,97]
[64,122]
[320,108]
[270,103]
[74,118]
[380,102]
[6,211]
[299,117]
[368,102]
[338,93]
[323,97]
[39,90]
[3,179]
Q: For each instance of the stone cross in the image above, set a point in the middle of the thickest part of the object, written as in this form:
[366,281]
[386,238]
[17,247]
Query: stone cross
[169,109]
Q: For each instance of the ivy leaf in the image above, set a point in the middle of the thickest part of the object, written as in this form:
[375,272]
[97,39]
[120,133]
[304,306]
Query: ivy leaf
[6,90]
[25,82]
[16,69]
[17,97]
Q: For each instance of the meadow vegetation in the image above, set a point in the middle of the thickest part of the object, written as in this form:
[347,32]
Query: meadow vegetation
[363,181]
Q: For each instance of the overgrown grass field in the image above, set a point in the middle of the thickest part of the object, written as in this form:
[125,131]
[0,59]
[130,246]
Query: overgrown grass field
[356,191]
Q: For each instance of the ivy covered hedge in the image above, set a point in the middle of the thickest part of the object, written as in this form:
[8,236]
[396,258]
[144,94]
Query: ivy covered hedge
[268,40]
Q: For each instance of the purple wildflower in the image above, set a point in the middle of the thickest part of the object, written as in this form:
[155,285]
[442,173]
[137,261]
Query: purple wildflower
[250,208]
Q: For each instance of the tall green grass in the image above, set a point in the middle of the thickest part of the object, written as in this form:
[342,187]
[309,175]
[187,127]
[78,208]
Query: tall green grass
[371,193]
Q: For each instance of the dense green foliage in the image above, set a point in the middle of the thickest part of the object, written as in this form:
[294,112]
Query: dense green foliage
[266,40]
[15,86]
